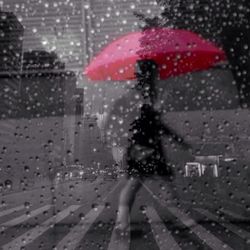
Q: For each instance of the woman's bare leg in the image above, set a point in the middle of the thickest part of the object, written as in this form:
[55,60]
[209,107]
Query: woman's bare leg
[126,201]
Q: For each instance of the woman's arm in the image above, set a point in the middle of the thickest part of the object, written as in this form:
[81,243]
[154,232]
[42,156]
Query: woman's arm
[165,130]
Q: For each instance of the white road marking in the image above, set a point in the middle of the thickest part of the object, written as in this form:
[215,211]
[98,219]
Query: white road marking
[11,210]
[112,190]
[73,238]
[25,217]
[207,237]
[34,233]
[163,237]
[234,215]
[150,191]
[238,231]
[116,242]
[119,242]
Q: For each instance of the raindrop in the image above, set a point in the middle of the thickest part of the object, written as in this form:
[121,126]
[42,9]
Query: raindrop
[94,206]
[132,6]
[107,205]
[27,204]
[26,168]
[20,19]
[143,209]
[82,216]
[86,6]
[121,71]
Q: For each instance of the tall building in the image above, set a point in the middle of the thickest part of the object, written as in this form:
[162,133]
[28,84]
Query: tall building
[11,40]
[36,109]
[51,26]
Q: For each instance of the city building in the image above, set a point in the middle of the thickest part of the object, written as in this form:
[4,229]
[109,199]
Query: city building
[11,41]
[37,107]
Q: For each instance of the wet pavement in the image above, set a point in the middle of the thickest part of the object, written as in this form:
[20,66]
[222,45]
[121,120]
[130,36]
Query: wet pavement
[82,215]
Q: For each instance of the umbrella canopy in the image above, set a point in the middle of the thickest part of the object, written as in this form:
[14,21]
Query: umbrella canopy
[175,51]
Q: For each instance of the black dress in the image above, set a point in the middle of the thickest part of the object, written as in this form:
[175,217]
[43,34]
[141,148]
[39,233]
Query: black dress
[147,131]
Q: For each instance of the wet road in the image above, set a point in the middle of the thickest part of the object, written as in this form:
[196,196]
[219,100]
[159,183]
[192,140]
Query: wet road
[82,215]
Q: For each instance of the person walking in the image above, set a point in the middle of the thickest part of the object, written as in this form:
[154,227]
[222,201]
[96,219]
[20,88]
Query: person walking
[144,155]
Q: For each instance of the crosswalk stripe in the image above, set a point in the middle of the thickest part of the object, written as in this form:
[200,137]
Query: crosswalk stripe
[212,197]
[34,233]
[119,242]
[238,231]
[11,210]
[73,238]
[25,217]
[234,215]
[116,242]
[207,237]
[163,237]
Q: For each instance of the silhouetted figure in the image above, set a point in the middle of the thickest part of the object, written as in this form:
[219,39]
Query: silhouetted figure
[145,156]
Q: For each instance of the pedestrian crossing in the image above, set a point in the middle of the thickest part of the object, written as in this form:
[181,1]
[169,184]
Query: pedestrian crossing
[237,230]
[234,215]
[208,238]
[162,234]
[11,210]
[32,234]
[72,239]
[25,217]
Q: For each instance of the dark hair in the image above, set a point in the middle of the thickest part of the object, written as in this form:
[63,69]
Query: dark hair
[145,72]
[145,67]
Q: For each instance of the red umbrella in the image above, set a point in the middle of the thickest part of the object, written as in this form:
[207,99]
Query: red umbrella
[175,51]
